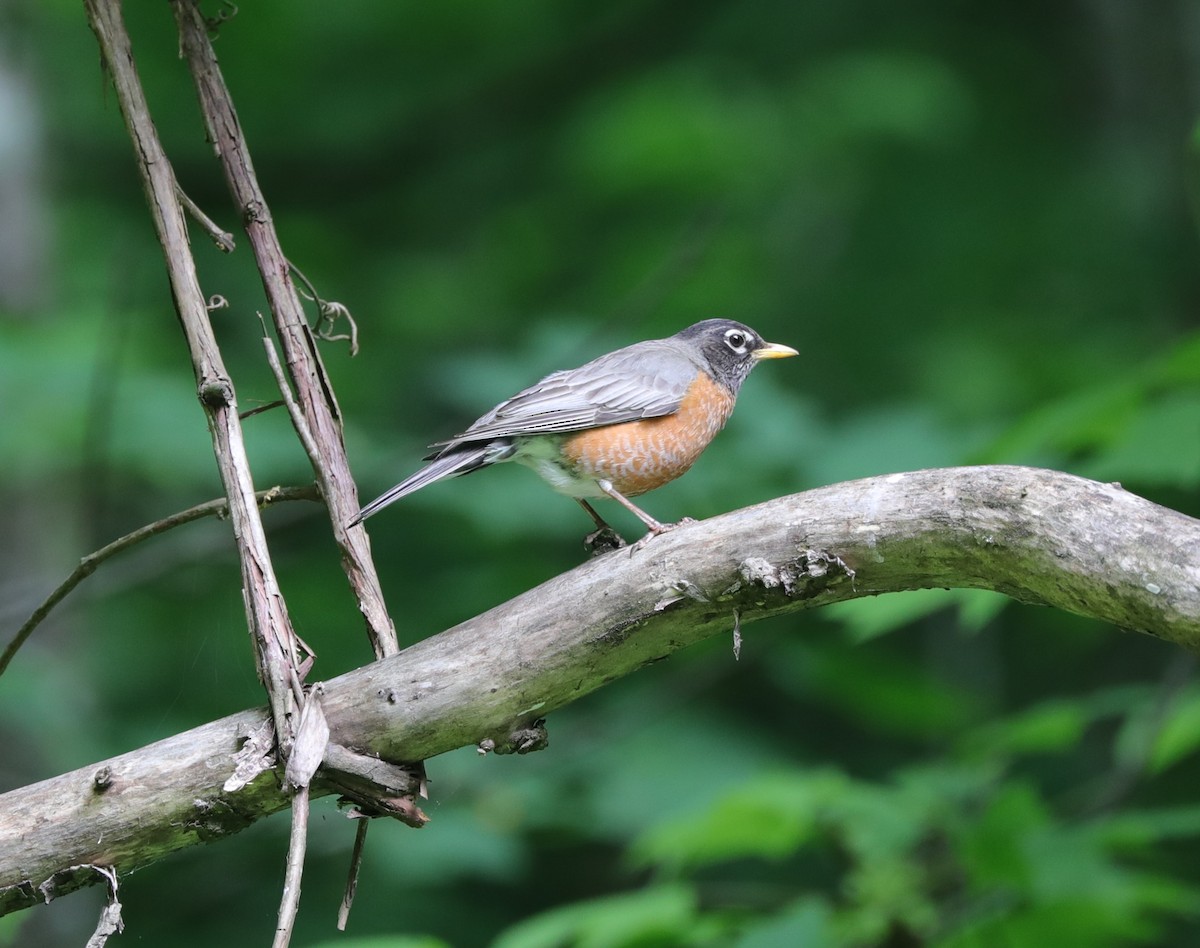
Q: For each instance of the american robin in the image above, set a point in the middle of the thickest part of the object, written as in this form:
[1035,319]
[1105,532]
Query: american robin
[619,426]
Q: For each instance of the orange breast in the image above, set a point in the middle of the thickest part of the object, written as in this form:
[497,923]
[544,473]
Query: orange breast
[638,456]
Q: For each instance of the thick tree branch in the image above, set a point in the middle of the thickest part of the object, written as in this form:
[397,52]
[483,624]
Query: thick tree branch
[1039,536]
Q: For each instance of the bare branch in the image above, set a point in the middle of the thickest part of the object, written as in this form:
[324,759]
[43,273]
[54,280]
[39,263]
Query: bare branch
[289,904]
[270,626]
[258,410]
[1038,536]
[313,391]
[212,508]
[299,422]
[222,238]
[360,842]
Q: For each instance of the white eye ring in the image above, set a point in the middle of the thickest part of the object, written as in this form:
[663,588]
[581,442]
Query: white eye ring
[736,340]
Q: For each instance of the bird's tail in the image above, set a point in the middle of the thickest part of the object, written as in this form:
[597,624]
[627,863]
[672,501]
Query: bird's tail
[462,460]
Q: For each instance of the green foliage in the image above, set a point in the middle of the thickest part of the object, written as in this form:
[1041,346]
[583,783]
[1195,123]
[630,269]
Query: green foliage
[968,836]
[973,223]
[384,941]
[768,818]
[1178,736]
[864,619]
[1143,425]
[658,915]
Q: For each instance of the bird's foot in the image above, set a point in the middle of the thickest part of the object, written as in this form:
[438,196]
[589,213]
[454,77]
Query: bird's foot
[657,529]
[603,540]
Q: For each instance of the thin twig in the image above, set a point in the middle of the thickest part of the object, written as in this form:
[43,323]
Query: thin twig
[212,508]
[290,903]
[312,737]
[222,238]
[310,446]
[298,420]
[251,412]
[356,855]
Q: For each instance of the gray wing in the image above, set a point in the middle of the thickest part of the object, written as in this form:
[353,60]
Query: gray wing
[646,380]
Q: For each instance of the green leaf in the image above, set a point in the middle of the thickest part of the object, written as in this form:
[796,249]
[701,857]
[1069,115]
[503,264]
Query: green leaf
[383,941]
[866,619]
[768,817]
[885,692]
[806,922]
[1181,365]
[990,846]
[1078,420]
[1043,729]
[661,915]
[1180,732]
[1139,829]
[1159,445]
[884,893]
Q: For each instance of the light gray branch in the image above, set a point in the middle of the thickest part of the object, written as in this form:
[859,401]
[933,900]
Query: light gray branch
[314,398]
[1039,536]
[270,626]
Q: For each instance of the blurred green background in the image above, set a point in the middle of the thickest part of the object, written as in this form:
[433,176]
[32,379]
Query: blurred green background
[974,221]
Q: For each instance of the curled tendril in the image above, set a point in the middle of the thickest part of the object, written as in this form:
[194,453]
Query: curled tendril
[227,12]
[328,313]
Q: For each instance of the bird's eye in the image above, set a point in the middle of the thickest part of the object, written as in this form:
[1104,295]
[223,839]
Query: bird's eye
[736,340]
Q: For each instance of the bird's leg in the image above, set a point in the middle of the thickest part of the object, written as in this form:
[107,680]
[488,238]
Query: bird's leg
[604,538]
[654,527]
[651,524]
[591,512]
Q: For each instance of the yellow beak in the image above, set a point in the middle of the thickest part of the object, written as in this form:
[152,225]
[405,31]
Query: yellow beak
[773,350]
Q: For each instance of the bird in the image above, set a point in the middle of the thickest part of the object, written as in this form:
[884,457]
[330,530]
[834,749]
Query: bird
[618,426]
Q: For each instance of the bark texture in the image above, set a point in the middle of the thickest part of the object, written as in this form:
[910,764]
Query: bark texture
[1038,536]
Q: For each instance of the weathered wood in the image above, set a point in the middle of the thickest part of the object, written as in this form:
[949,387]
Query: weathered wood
[270,627]
[317,416]
[1039,536]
